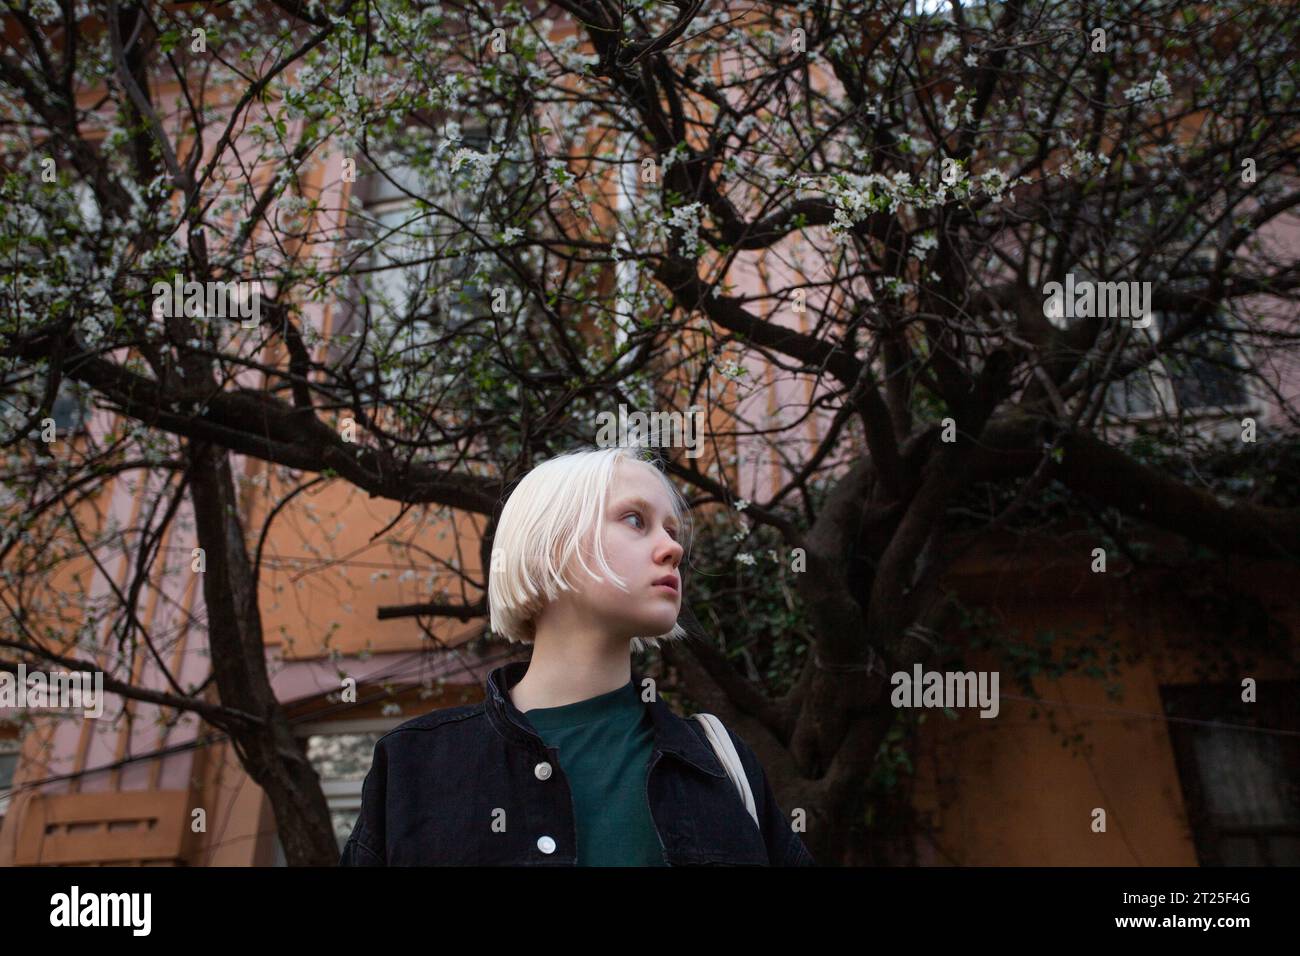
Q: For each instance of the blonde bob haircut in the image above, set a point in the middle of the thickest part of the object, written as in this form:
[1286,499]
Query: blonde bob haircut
[555,508]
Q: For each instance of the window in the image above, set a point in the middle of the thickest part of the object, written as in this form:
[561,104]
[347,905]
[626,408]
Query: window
[1207,373]
[342,760]
[1134,396]
[70,408]
[342,751]
[1241,783]
[387,222]
[9,753]
[387,225]
[1204,374]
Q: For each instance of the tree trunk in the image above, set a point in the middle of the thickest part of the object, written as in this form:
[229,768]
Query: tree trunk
[269,753]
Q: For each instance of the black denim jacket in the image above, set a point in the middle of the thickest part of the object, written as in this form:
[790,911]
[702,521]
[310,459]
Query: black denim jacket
[476,786]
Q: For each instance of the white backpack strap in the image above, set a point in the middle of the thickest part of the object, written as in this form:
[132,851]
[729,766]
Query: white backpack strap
[726,751]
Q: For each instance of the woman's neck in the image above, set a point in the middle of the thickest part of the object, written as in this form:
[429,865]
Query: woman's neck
[565,671]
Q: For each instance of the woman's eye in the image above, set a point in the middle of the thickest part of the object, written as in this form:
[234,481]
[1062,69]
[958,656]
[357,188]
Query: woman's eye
[672,532]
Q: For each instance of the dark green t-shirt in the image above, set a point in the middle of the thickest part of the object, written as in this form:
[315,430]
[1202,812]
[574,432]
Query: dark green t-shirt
[605,745]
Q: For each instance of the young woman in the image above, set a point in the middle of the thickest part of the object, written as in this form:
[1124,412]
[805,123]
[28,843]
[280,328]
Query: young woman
[572,758]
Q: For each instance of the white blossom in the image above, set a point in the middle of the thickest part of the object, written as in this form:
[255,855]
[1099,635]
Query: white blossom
[46,11]
[946,46]
[995,183]
[1152,89]
[923,244]
[731,369]
[687,218]
[480,164]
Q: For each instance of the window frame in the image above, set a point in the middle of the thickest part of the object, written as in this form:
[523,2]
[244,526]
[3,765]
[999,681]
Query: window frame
[1277,706]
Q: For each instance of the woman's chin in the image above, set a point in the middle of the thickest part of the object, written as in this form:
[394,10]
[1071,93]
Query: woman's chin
[654,626]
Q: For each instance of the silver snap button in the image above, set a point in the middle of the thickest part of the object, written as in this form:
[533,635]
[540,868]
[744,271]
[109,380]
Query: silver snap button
[546,844]
[543,771]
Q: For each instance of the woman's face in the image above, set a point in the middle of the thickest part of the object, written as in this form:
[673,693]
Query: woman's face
[641,546]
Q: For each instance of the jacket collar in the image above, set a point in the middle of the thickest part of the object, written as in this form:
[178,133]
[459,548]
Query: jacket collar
[672,733]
